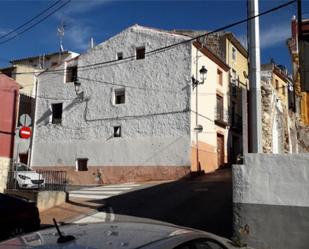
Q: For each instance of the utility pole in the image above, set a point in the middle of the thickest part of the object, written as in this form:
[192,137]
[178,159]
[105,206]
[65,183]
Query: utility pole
[255,127]
[299,20]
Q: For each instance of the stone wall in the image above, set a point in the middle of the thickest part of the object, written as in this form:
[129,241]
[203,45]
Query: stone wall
[267,110]
[271,201]
[5,164]
[303,138]
[275,116]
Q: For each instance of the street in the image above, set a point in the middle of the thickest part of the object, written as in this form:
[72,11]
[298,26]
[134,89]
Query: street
[203,202]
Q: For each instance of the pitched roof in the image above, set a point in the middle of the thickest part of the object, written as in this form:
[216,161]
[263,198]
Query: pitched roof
[37,56]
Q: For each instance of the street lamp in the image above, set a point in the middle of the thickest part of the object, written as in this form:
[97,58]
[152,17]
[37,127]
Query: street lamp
[203,72]
[77,85]
[198,128]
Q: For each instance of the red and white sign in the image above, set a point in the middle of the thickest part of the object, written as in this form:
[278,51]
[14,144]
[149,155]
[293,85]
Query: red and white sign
[25,132]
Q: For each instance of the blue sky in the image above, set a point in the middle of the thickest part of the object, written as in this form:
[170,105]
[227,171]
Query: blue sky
[102,19]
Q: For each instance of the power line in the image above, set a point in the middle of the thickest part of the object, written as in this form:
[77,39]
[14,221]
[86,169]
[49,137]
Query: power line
[29,21]
[162,49]
[36,23]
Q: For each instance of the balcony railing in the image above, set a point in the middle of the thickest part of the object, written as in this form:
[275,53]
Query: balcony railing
[221,117]
[50,180]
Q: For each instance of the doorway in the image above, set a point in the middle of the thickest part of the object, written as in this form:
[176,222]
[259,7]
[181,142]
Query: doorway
[220,149]
[23,158]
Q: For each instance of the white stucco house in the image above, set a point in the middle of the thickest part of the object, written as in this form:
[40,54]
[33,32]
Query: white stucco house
[135,115]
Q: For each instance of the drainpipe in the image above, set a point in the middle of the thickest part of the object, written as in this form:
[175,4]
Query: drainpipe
[198,169]
[33,121]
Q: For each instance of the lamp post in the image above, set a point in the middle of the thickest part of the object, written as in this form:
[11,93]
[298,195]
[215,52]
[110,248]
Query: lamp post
[195,83]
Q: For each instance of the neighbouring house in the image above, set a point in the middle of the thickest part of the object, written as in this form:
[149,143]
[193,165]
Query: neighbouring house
[301,95]
[299,50]
[278,126]
[24,71]
[231,51]
[9,93]
[137,117]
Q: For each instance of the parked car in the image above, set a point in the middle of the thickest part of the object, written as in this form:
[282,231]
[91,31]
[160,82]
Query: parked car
[25,177]
[119,235]
[17,215]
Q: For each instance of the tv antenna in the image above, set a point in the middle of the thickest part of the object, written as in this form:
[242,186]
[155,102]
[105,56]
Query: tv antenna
[60,34]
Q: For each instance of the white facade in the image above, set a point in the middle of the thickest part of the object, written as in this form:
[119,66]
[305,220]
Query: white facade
[155,118]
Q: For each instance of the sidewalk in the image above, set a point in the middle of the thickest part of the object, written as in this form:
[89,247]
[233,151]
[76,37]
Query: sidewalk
[69,211]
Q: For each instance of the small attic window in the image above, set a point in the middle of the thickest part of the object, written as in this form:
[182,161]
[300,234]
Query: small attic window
[140,53]
[119,56]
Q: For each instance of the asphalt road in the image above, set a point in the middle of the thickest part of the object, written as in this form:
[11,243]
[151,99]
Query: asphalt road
[203,203]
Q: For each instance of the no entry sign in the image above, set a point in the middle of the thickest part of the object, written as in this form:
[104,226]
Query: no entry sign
[25,132]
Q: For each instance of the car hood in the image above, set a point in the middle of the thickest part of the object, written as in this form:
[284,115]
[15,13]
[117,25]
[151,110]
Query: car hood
[100,235]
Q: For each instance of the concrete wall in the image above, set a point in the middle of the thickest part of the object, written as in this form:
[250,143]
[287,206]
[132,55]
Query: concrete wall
[155,119]
[271,201]
[43,199]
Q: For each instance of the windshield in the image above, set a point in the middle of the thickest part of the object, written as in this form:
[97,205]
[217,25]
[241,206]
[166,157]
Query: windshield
[21,167]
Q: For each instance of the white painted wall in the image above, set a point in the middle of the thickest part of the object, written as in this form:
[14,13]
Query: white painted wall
[207,100]
[155,119]
[272,179]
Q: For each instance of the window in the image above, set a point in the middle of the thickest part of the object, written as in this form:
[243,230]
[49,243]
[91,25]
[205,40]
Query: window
[71,74]
[233,77]
[119,56]
[283,90]
[140,53]
[81,164]
[56,113]
[234,54]
[277,84]
[117,131]
[219,107]
[119,96]
[219,77]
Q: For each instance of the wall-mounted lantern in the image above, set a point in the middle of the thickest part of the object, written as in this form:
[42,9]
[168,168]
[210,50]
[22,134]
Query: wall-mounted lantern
[77,85]
[203,72]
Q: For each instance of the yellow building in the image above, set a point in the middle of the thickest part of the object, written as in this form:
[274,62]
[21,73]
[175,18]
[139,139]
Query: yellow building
[302,97]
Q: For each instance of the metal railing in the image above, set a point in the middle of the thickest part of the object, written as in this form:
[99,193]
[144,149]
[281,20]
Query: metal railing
[50,180]
[221,115]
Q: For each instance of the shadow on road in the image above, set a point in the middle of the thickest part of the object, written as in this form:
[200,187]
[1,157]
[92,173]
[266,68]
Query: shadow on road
[204,202]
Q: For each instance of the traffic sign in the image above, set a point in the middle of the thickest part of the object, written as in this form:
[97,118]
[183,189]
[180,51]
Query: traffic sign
[25,119]
[25,132]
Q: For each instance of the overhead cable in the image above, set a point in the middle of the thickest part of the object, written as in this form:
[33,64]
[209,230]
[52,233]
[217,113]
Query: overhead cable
[162,49]
[36,23]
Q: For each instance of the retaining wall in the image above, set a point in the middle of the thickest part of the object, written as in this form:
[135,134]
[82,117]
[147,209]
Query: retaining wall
[271,201]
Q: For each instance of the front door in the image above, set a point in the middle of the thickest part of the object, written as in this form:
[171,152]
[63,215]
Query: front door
[220,149]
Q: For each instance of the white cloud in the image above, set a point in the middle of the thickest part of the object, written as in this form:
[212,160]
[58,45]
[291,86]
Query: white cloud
[275,35]
[78,35]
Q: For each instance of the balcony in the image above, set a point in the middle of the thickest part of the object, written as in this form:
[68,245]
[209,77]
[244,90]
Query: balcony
[221,117]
